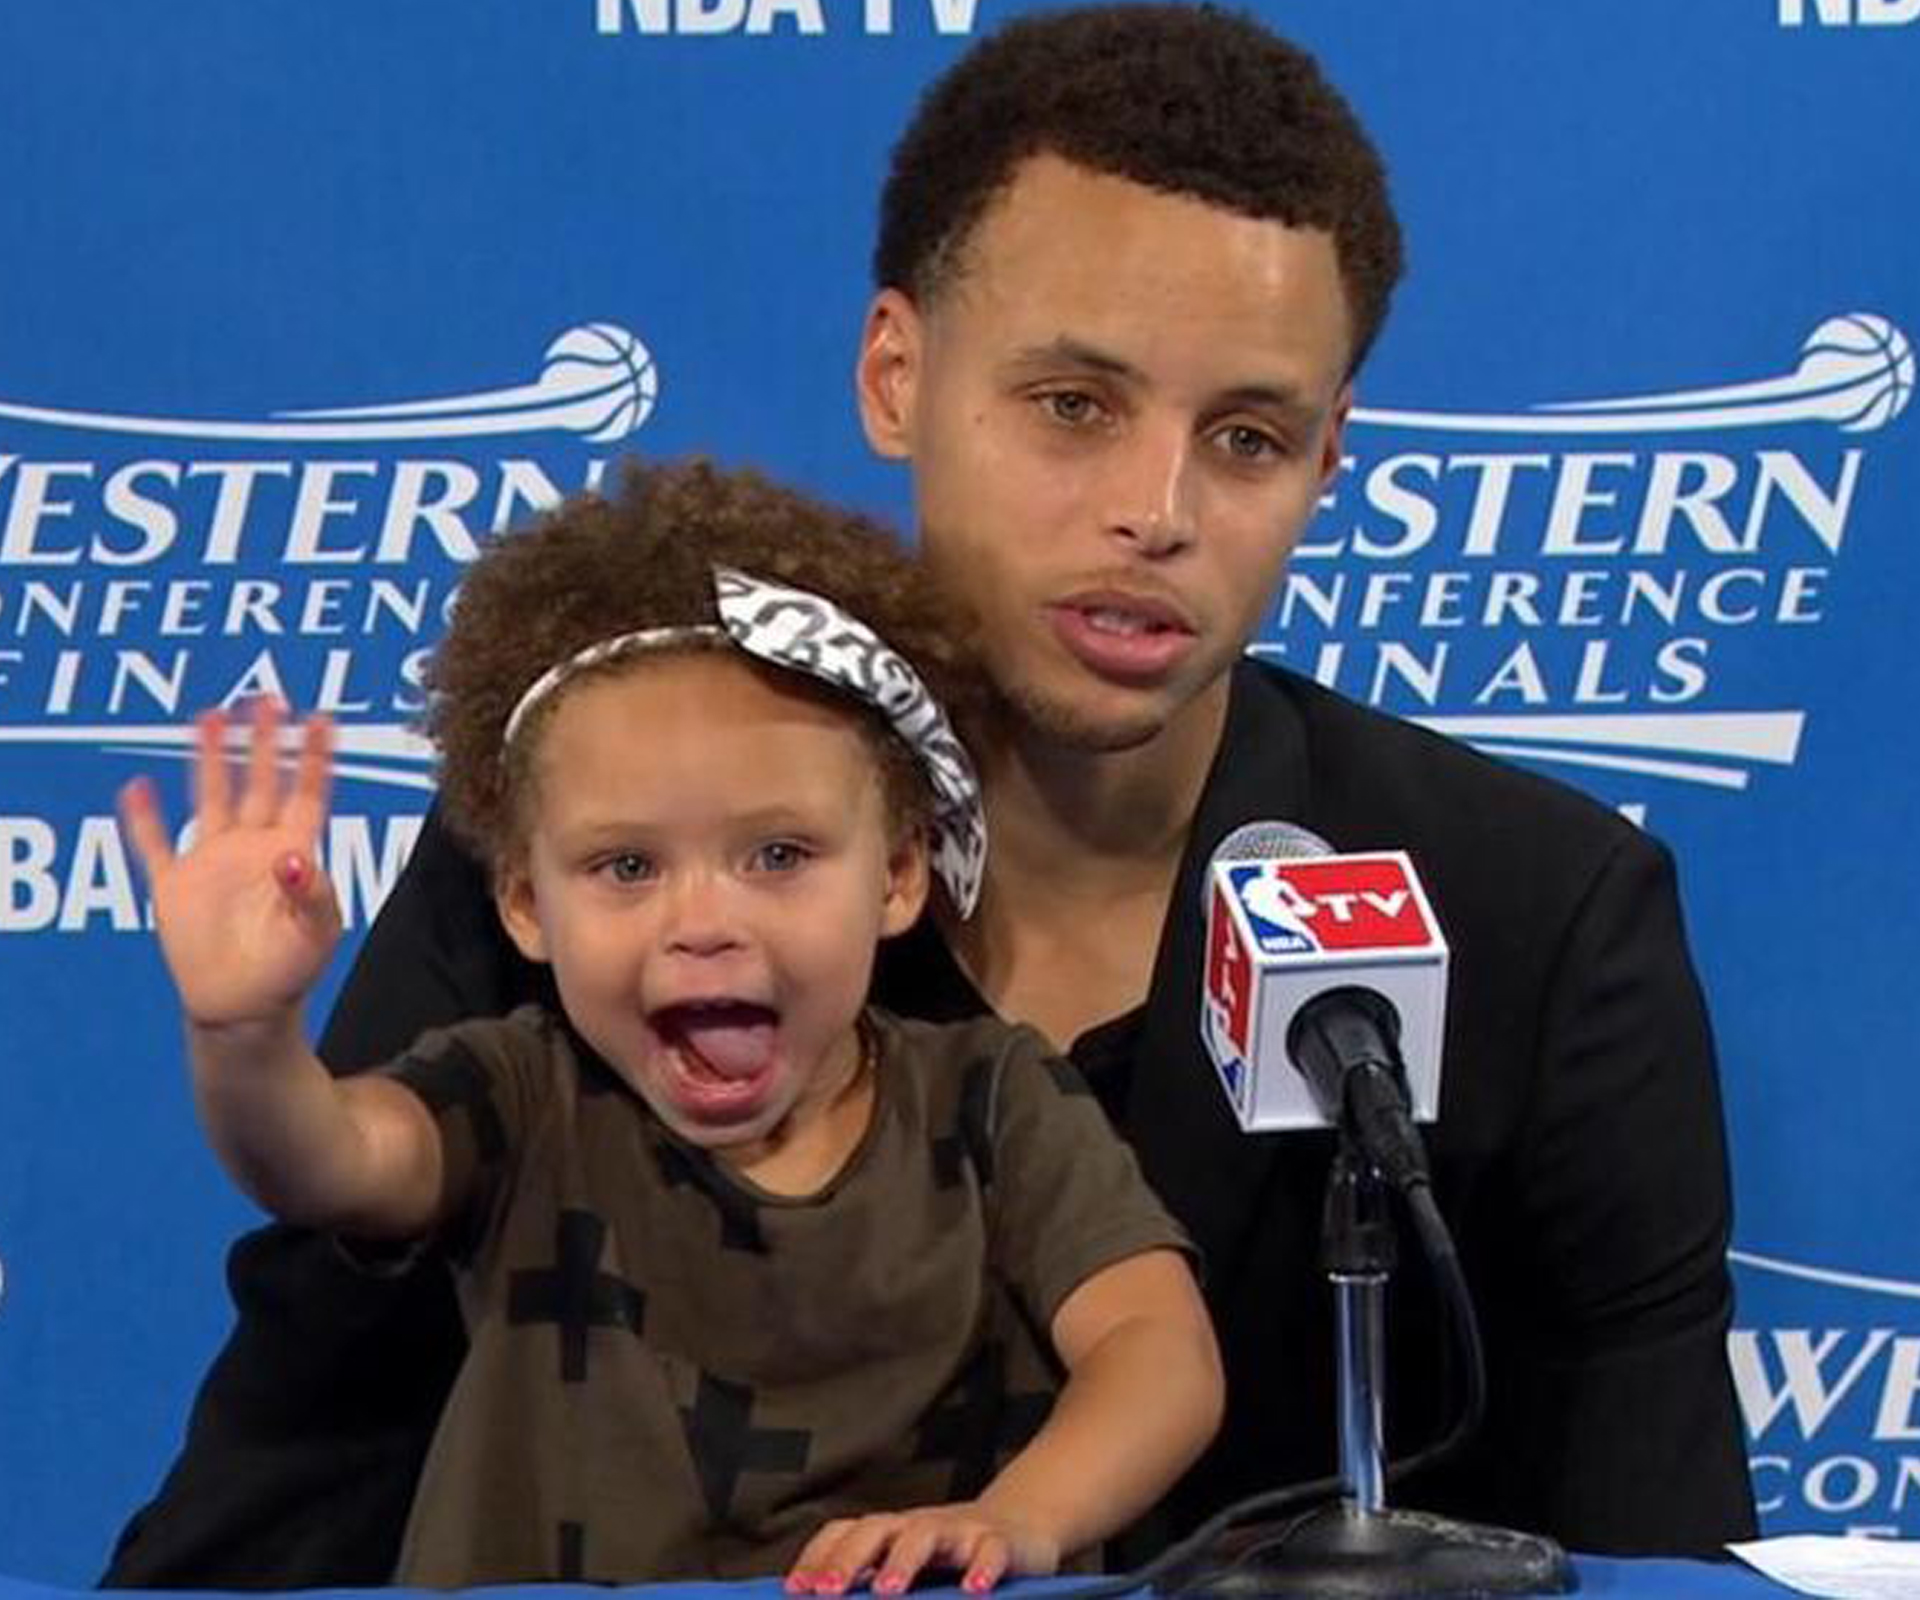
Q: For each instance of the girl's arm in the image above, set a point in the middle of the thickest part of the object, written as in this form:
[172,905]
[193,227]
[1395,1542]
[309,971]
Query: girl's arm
[247,922]
[1143,1397]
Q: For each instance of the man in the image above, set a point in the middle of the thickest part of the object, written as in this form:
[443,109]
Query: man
[1129,261]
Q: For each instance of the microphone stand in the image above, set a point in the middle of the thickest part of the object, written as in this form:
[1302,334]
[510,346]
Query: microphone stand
[1356,1548]
[1357,1254]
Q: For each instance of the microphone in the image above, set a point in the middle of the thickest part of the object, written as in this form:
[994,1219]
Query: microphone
[1324,1003]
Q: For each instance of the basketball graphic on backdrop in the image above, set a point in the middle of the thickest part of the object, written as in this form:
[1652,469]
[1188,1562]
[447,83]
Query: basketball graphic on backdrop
[609,366]
[1868,361]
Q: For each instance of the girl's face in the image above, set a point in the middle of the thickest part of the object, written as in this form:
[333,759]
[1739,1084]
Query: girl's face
[708,868]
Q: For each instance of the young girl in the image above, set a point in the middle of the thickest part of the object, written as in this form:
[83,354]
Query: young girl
[755,1276]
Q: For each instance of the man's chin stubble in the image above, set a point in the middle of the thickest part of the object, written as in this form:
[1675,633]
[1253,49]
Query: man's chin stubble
[1033,714]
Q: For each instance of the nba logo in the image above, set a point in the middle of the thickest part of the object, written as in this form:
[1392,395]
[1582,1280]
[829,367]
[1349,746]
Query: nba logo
[1278,916]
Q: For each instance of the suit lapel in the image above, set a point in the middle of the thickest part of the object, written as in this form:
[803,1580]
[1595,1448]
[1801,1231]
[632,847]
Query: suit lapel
[1208,1172]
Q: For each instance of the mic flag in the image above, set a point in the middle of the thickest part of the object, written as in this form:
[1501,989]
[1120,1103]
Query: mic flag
[1284,930]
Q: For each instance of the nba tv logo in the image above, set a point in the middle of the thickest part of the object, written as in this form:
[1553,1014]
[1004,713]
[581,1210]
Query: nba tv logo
[1850,13]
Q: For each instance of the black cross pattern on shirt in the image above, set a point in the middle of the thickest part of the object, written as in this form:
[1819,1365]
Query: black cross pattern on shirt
[977,1421]
[972,1138]
[571,1539]
[723,1445]
[739,1216]
[574,1294]
[455,1078]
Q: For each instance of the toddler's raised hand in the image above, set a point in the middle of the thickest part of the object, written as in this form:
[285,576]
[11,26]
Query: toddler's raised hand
[246,918]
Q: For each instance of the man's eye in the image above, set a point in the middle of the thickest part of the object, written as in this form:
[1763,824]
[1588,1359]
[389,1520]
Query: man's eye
[1071,406]
[781,855]
[1246,443]
[629,866]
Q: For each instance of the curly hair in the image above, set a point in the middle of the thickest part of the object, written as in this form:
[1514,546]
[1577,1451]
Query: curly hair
[597,567]
[1191,100]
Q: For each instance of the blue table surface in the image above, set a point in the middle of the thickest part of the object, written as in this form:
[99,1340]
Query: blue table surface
[1619,1580]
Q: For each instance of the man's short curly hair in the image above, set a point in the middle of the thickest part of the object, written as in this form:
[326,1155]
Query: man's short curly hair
[1188,99]
[596,568]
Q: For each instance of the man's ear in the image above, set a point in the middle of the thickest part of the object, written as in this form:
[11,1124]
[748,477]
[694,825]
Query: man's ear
[1333,447]
[513,898]
[887,373]
[907,884]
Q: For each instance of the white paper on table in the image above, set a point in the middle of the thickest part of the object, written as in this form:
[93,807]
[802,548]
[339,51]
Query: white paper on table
[1837,1566]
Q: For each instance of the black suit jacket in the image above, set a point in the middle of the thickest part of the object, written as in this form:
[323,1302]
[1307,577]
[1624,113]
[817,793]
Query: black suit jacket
[1579,1159]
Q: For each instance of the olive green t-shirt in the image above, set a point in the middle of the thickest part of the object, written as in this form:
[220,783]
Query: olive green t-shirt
[673,1374]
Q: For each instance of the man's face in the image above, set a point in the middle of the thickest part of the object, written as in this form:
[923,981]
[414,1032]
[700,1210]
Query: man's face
[1120,413]
[710,889]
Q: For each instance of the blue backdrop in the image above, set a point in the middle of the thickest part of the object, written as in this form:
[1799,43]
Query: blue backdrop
[296,300]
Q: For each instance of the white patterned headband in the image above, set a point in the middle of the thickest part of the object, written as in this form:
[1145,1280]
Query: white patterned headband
[805,632]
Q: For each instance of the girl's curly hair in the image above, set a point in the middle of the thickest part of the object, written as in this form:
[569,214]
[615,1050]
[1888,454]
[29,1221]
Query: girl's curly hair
[597,567]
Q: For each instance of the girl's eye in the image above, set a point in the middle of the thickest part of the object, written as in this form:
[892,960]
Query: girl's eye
[628,867]
[781,855]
